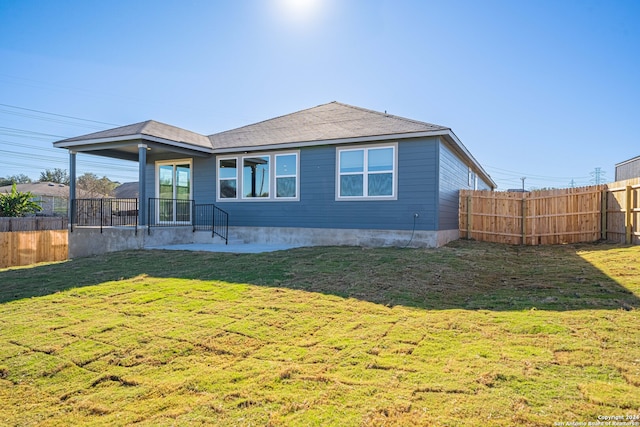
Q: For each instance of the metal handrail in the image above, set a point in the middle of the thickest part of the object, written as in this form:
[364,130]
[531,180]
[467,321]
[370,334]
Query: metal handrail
[103,212]
[211,217]
[164,212]
[160,213]
[221,224]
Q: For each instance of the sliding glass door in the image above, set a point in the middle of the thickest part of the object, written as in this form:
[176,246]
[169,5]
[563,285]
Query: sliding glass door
[174,191]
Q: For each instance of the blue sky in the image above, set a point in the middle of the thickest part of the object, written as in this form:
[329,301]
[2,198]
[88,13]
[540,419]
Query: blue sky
[547,90]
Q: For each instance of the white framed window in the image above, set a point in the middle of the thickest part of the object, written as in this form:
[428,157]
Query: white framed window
[473,179]
[367,173]
[259,176]
[286,176]
[256,173]
[228,178]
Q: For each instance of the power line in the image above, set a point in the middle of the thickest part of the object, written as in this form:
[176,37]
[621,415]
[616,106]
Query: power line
[52,119]
[520,174]
[29,132]
[58,115]
[62,161]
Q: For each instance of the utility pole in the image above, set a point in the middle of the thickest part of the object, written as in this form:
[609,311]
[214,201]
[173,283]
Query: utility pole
[598,176]
[523,178]
[572,184]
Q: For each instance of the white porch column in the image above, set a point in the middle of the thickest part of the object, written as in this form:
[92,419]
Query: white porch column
[72,184]
[142,184]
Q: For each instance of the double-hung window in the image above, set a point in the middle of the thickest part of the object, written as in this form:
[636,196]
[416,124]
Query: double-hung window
[367,172]
[228,178]
[286,176]
[262,176]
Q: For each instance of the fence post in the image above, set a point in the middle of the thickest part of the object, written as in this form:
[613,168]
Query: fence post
[137,215]
[628,216]
[469,212]
[524,220]
[193,215]
[72,214]
[603,214]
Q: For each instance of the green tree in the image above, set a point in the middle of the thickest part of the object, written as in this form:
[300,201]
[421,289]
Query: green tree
[57,175]
[97,187]
[21,179]
[17,179]
[17,203]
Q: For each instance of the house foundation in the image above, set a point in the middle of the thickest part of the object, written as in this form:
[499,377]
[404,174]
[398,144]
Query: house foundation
[88,241]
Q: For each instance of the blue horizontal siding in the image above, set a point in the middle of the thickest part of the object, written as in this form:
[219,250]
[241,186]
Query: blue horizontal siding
[429,176]
[454,175]
[317,207]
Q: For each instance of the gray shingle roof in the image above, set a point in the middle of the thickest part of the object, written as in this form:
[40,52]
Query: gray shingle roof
[128,190]
[43,189]
[325,122]
[150,128]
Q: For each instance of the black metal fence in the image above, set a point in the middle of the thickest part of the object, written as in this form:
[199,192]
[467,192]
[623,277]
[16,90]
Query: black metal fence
[104,213]
[210,217]
[33,223]
[160,213]
[186,212]
[170,212]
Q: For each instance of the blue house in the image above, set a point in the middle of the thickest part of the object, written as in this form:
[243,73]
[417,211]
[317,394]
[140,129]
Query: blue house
[334,174]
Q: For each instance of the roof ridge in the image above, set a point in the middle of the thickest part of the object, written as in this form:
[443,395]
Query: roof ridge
[385,114]
[150,121]
[272,118]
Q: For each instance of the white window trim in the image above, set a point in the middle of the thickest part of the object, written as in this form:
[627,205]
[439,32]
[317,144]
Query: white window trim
[365,173]
[241,173]
[276,176]
[218,179]
[173,162]
[272,178]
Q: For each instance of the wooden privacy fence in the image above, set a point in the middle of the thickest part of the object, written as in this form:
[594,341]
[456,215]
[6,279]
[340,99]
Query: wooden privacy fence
[572,215]
[33,240]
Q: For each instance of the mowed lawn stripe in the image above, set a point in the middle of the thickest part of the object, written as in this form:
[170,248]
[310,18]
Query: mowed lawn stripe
[468,334]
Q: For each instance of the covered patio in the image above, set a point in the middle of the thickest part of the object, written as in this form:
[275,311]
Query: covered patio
[135,143]
[167,203]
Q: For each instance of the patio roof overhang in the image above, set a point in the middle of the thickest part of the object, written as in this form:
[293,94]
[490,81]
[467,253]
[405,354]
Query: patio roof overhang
[134,146]
[126,147]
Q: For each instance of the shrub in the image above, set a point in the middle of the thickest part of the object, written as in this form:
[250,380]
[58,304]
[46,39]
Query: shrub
[17,203]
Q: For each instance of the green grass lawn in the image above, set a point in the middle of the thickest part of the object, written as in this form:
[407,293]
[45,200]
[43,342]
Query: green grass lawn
[469,334]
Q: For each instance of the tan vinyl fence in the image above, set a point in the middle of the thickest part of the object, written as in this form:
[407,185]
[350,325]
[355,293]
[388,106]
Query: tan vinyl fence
[572,215]
[25,241]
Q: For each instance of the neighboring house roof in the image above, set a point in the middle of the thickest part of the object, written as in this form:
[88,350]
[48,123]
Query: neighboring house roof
[633,159]
[128,190]
[326,122]
[49,189]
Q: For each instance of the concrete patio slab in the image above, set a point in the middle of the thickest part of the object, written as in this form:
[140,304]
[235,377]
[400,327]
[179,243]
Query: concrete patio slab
[241,248]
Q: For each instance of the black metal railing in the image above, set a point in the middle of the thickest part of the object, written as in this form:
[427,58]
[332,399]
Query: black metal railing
[170,213]
[186,212]
[161,213]
[104,213]
[210,217]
